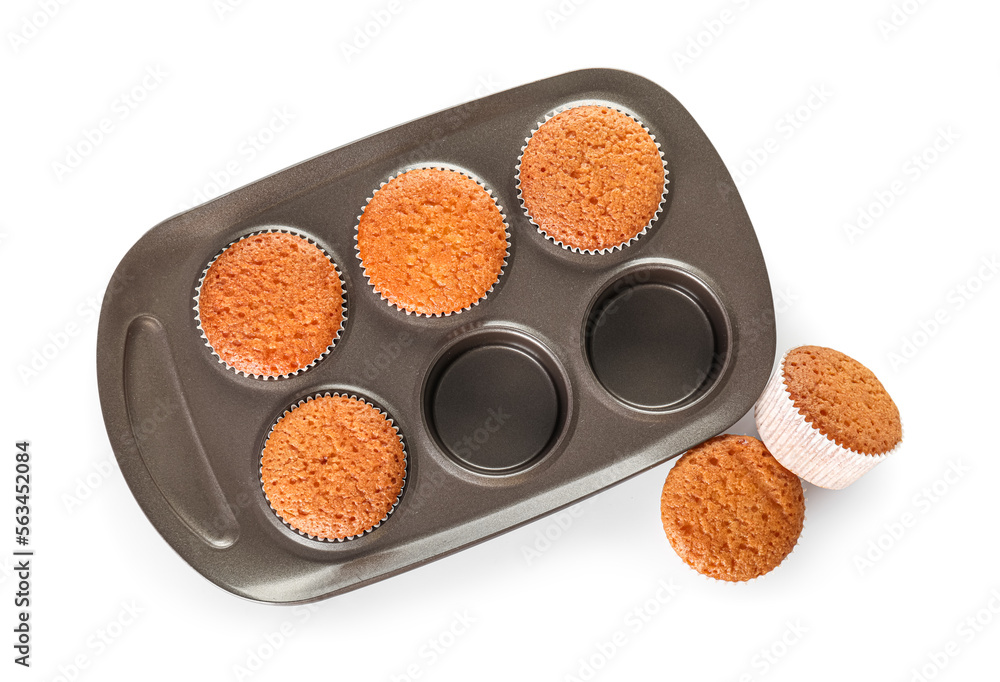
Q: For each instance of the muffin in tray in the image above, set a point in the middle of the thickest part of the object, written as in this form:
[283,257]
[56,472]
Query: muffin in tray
[432,241]
[333,467]
[271,304]
[592,178]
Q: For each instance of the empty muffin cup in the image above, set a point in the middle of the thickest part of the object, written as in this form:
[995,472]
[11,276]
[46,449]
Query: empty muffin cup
[496,401]
[657,338]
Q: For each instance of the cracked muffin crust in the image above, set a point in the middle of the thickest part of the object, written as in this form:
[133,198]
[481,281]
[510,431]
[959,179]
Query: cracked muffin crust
[432,241]
[730,510]
[591,178]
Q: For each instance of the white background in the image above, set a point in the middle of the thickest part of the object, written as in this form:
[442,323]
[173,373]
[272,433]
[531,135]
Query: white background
[822,615]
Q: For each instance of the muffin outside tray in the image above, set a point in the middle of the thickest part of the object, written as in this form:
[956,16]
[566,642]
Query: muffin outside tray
[188,433]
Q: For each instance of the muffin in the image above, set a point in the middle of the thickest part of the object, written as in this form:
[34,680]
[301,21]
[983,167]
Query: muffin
[591,178]
[827,417]
[730,510]
[271,304]
[333,467]
[432,241]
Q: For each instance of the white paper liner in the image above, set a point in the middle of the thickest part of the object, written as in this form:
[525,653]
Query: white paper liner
[759,578]
[800,446]
[336,335]
[334,394]
[503,216]
[663,195]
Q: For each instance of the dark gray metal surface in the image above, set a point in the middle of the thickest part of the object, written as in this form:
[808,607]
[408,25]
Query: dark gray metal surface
[188,433]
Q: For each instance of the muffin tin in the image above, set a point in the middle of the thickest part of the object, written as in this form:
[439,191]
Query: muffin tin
[576,372]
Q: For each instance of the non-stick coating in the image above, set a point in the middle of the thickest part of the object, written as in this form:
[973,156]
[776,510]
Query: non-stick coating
[188,432]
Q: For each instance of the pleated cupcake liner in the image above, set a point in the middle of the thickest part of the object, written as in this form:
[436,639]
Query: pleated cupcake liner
[336,335]
[290,410]
[663,195]
[802,447]
[470,176]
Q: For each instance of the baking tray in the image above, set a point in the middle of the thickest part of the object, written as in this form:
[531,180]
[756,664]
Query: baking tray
[596,367]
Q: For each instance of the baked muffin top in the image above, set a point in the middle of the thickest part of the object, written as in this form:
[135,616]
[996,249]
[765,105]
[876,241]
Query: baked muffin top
[843,399]
[333,467]
[432,241]
[591,178]
[271,304]
[730,510]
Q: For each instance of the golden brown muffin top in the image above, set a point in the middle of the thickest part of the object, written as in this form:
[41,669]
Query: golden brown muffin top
[271,304]
[591,178]
[730,510]
[843,399]
[432,241]
[333,467]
